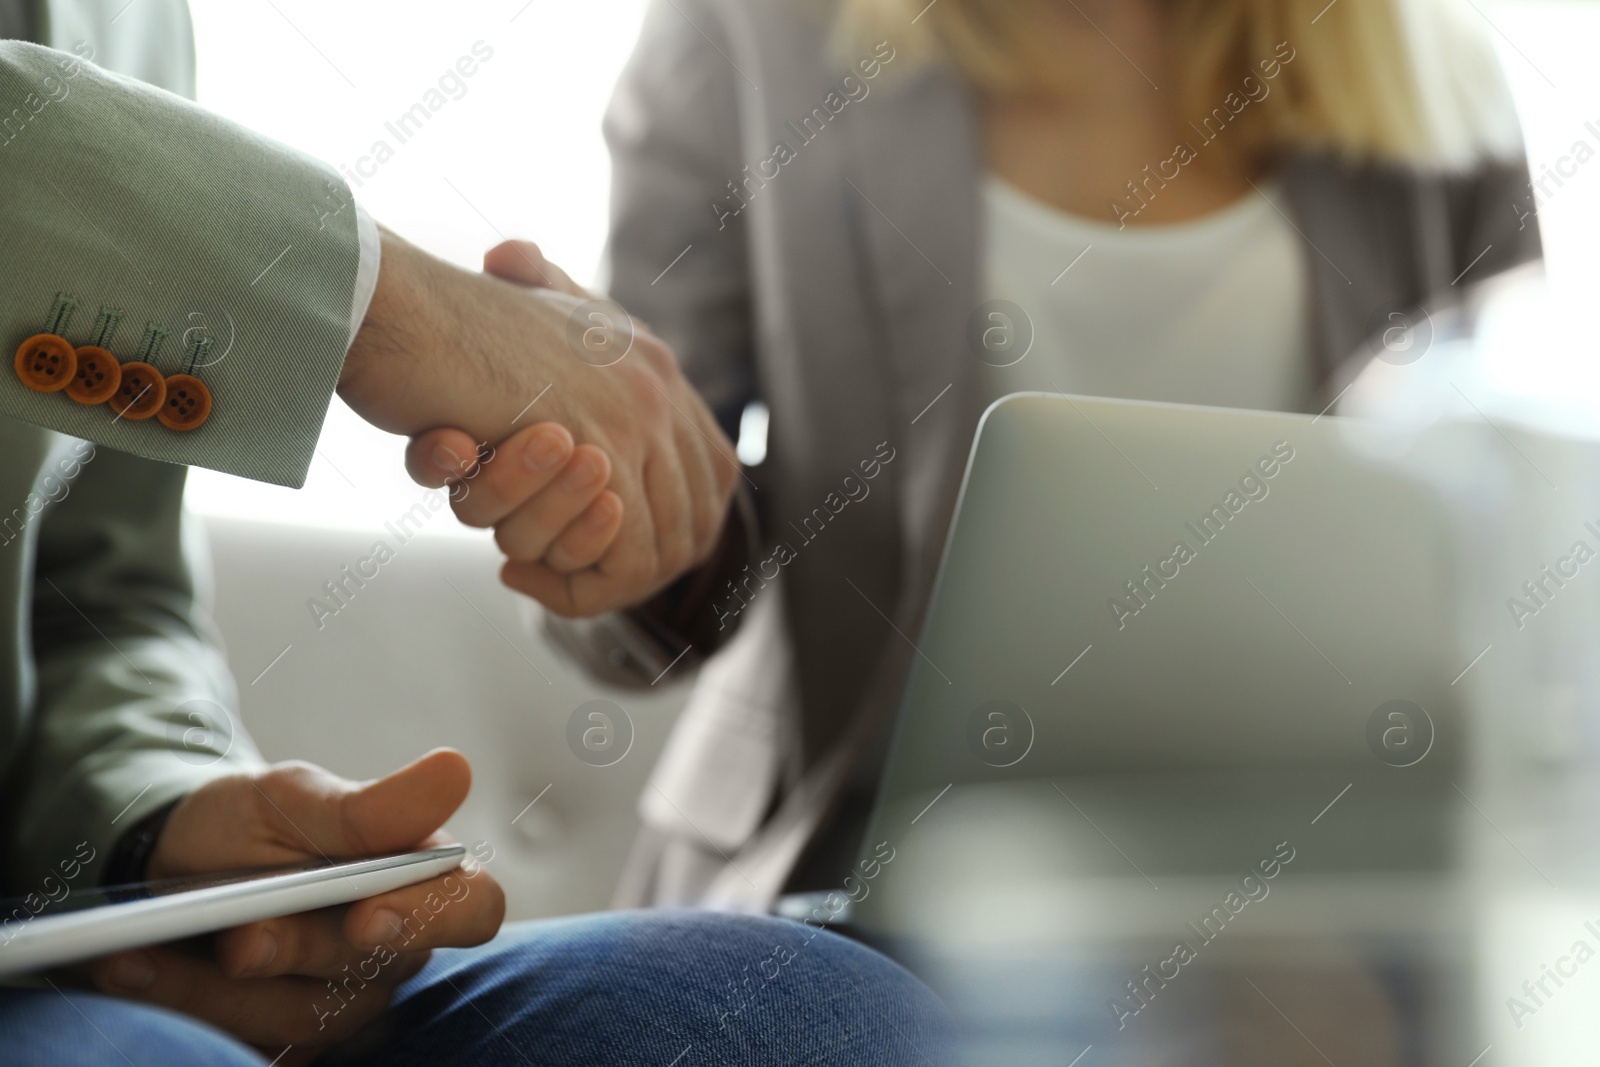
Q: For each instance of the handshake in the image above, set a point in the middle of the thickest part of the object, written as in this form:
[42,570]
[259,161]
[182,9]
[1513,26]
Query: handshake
[609,476]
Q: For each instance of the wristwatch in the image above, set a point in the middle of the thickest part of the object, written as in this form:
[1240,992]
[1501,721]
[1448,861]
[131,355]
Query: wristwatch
[130,856]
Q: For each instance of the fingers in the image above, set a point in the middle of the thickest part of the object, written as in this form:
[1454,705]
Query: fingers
[543,583]
[436,457]
[523,263]
[686,484]
[449,911]
[492,487]
[724,463]
[586,539]
[523,465]
[571,596]
[633,563]
[452,910]
[721,474]
[707,496]
[261,1011]
[559,489]
[319,813]
[704,460]
[294,810]
[622,574]
[311,944]
[401,809]
[585,592]
[529,531]
[673,512]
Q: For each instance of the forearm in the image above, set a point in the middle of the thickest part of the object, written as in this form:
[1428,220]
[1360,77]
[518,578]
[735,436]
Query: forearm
[400,320]
[430,350]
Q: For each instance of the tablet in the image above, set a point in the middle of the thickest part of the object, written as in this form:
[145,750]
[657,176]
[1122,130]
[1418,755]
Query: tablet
[85,923]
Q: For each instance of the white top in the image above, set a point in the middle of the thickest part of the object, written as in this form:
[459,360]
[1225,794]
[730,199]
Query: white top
[1212,311]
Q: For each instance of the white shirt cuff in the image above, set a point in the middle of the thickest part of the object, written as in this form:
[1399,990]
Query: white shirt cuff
[367,272]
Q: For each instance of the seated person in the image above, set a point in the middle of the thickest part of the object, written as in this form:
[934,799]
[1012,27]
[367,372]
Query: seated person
[926,207]
[107,652]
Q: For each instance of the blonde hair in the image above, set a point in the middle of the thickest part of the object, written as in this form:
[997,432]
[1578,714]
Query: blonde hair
[1399,81]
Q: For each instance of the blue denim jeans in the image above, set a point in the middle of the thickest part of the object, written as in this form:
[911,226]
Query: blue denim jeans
[632,989]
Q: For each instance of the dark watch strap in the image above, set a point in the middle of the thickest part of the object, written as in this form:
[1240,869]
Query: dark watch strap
[130,856]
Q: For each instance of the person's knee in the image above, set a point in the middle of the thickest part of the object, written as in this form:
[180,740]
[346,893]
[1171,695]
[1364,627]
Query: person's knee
[46,1029]
[766,988]
[843,996]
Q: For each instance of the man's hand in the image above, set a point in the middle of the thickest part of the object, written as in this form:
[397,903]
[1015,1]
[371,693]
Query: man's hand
[310,980]
[542,523]
[545,496]
[441,347]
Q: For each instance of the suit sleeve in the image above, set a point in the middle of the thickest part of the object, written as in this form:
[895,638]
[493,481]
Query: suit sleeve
[131,198]
[673,131]
[134,705]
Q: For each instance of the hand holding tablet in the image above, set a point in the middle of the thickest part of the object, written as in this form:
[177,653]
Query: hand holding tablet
[268,981]
[95,922]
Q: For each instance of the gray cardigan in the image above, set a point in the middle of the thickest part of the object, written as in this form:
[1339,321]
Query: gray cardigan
[833,278]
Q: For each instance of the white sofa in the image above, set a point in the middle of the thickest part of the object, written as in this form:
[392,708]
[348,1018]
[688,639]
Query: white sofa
[434,651]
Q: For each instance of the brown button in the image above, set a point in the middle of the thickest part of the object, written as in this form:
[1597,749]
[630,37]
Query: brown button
[188,403]
[141,392]
[97,377]
[46,363]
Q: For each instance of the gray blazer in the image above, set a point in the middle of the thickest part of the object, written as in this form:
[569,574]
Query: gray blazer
[834,281]
[115,699]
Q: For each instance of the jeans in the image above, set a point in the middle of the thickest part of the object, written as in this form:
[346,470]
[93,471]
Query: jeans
[631,989]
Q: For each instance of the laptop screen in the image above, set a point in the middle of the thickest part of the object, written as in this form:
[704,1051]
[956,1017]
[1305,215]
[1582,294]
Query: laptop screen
[1214,710]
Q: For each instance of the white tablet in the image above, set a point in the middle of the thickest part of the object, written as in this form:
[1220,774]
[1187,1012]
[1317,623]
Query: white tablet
[86,923]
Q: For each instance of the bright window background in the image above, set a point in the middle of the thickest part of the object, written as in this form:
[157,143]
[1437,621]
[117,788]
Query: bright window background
[1537,364]
[1547,50]
[518,155]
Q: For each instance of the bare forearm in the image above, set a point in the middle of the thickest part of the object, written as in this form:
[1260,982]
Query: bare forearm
[426,352]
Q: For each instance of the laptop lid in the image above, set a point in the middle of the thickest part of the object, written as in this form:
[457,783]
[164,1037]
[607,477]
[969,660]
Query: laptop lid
[1179,659]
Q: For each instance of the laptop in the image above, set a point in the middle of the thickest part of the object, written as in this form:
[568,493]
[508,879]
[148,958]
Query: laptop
[1241,737]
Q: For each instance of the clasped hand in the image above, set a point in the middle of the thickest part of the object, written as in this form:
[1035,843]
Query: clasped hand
[606,482]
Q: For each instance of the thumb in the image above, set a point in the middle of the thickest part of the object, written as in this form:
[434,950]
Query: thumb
[522,263]
[400,810]
[436,456]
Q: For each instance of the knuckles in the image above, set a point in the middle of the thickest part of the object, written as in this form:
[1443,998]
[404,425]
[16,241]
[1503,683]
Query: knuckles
[512,546]
[644,397]
[635,575]
[294,774]
[658,355]
[467,515]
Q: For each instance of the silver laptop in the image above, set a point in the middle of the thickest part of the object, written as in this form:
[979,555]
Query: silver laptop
[1239,737]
